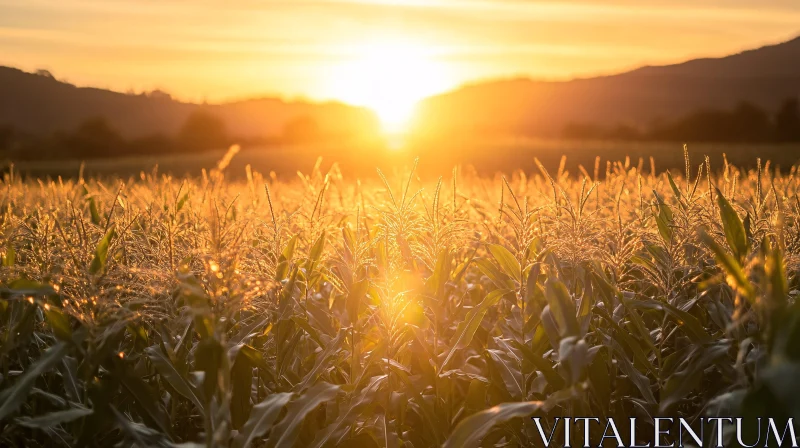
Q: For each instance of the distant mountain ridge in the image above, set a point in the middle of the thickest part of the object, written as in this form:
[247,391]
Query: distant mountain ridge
[40,104]
[765,77]
[771,60]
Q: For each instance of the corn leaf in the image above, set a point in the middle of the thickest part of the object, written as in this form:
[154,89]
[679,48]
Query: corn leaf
[469,432]
[508,263]
[466,329]
[15,396]
[733,227]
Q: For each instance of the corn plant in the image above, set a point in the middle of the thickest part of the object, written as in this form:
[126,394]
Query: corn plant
[393,311]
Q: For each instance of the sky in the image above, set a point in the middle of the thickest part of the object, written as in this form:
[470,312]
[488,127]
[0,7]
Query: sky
[368,51]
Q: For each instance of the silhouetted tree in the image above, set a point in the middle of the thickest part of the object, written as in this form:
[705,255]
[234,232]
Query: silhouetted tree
[706,125]
[787,121]
[93,138]
[203,131]
[152,144]
[750,123]
[159,95]
[746,123]
[45,73]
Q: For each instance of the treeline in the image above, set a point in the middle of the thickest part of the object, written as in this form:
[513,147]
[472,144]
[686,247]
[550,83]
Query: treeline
[97,138]
[746,123]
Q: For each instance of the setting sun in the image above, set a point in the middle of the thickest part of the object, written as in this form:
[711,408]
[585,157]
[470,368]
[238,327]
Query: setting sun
[390,78]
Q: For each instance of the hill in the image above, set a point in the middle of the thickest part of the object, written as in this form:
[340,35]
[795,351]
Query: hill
[764,77]
[38,103]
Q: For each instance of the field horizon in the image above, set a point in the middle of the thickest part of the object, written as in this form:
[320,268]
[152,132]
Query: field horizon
[481,156]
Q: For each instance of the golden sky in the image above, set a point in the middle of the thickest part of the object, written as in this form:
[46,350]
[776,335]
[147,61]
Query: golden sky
[342,49]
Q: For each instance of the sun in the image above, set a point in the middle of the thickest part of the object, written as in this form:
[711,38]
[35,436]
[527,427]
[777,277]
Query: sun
[390,77]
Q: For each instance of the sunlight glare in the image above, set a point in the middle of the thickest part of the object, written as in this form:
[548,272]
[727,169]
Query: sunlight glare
[390,77]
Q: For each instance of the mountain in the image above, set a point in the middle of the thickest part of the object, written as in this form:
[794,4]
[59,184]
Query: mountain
[764,77]
[38,103]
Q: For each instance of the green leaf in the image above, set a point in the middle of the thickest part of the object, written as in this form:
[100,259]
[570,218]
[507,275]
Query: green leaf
[137,434]
[585,308]
[286,302]
[10,256]
[664,219]
[534,249]
[181,202]
[429,416]
[95,214]
[531,286]
[98,265]
[286,257]
[350,243]
[287,348]
[573,357]
[285,433]
[476,395]
[466,329]
[623,336]
[508,371]
[507,261]
[262,417]
[25,287]
[249,331]
[562,307]
[16,394]
[693,328]
[775,270]
[681,383]
[600,378]
[69,374]
[736,276]
[675,189]
[441,273]
[497,276]
[541,364]
[209,358]
[331,348]
[365,399]
[638,324]
[145,401]
[168,372]
[59,322]
[54,418]
[315,253]
[470,431]
[245,359]
[635,376]
[306,325]
[354,300]
[734,229]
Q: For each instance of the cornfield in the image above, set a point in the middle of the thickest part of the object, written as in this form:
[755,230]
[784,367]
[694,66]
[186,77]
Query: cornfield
[395,311]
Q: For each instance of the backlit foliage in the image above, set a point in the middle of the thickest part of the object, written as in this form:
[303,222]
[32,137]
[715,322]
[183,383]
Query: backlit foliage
[393,311]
